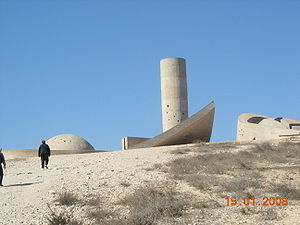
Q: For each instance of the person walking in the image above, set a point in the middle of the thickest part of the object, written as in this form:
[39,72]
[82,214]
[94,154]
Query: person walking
[44,153]
[2,161]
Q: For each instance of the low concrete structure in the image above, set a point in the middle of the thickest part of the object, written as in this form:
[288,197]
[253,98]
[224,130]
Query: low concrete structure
[131,141]
[20,153]
[196,128]
[256,127]
[28,153]
[59,145]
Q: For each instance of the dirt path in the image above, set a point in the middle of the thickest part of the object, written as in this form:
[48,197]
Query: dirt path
[28,188]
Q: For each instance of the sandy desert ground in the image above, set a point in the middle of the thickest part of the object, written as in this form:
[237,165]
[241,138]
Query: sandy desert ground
[201,175]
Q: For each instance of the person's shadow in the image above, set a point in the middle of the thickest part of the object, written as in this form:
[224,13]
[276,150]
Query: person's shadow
[20,185]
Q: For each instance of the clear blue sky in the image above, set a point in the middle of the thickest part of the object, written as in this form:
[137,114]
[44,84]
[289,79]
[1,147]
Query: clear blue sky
[91,68]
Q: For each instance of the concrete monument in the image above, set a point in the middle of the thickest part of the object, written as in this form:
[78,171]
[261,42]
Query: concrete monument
[256,127]
[178,128]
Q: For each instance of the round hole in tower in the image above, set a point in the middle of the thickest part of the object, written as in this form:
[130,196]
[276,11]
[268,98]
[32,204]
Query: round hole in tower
[167,105]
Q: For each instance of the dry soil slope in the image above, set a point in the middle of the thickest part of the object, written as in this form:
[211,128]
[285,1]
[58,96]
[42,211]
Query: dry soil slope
[114,175]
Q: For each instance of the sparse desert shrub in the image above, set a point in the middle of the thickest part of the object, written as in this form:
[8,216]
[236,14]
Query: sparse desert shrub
[191,170]
[248,194]
[285,190]
[268,152]
[181,151]
[262,147]
[250,173]
[67,198]
[198,141]
[207,204]
[270,214]
[61,219]
[218,163]
[240,184]
[148,204]
[157,166]
[244,159]
[245,211]
[221,163]
[114,221]
[211,163]
[93,201]
[290,149]
[186,165]
[101,216]
[125,183]
[201,182]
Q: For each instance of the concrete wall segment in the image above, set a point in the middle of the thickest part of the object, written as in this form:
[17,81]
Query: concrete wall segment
[128,142]
[266,129]
[197,127]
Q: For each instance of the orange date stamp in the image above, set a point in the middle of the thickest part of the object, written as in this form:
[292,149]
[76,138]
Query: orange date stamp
[265,201]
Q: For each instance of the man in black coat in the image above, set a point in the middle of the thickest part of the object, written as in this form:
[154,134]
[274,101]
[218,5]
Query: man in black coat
[2,161]
[44,153]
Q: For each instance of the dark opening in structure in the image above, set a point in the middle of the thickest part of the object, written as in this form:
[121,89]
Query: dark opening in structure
[278,119]
[295,126]
[255,119]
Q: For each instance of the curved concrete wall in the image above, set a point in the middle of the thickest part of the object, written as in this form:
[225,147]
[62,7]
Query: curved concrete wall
[174,101]
[256,127]
[196,128]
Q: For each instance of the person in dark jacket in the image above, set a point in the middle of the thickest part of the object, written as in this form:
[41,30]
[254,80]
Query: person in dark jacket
[2,161]
[44,153]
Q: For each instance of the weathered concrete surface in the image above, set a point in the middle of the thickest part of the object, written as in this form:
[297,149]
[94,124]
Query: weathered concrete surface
[174,100]
[28,153]
[127,142]
[20,153]
[69,142]
[256,127]
[196,128]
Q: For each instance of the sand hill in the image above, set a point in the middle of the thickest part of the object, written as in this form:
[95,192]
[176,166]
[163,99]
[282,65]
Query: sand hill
[186,184]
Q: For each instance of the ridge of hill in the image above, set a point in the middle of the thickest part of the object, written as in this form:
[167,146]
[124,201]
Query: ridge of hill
[183,184]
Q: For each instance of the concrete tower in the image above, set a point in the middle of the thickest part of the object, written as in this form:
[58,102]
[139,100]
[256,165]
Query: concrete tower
[174,103]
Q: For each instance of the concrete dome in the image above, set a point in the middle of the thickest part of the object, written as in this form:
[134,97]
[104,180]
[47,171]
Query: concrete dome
[69,142]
